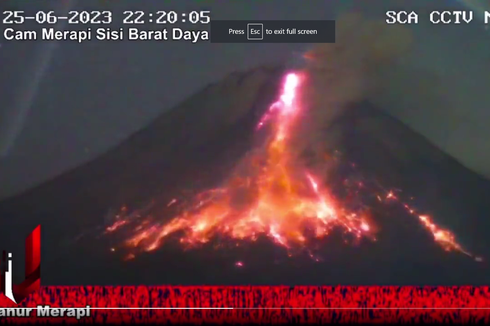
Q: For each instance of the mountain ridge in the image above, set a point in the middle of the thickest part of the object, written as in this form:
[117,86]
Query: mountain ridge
[188,147]
[170,148]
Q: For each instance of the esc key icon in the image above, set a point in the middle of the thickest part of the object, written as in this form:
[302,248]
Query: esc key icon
[255,32]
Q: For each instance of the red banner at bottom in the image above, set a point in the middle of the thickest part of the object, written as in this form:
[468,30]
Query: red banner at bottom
[250,304]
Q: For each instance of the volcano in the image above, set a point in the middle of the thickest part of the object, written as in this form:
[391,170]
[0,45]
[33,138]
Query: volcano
[197,146]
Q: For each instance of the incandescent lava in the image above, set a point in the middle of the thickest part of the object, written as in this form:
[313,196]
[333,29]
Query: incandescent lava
[270,192]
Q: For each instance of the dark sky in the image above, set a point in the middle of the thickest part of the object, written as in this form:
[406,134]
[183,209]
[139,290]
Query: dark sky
[81,99]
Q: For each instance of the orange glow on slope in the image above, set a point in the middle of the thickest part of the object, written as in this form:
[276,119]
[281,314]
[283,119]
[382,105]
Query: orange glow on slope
[269,194]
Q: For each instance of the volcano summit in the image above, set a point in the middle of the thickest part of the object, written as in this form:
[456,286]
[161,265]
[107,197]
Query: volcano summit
[406,193]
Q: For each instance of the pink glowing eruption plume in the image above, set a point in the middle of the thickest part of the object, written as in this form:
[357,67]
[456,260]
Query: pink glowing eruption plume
[269,193]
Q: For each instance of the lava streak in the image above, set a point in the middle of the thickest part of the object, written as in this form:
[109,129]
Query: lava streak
[269,193]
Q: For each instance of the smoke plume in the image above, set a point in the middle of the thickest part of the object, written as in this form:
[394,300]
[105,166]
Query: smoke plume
[351,70]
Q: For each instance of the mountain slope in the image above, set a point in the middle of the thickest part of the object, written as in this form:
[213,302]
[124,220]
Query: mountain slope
[195,145]
[129,171]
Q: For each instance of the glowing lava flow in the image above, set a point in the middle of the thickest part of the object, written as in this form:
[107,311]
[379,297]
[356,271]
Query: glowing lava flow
[269,193]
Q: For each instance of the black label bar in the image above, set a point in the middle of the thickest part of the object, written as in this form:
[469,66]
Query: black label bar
[273,31]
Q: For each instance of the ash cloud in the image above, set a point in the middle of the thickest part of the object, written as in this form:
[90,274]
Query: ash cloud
[349,71]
